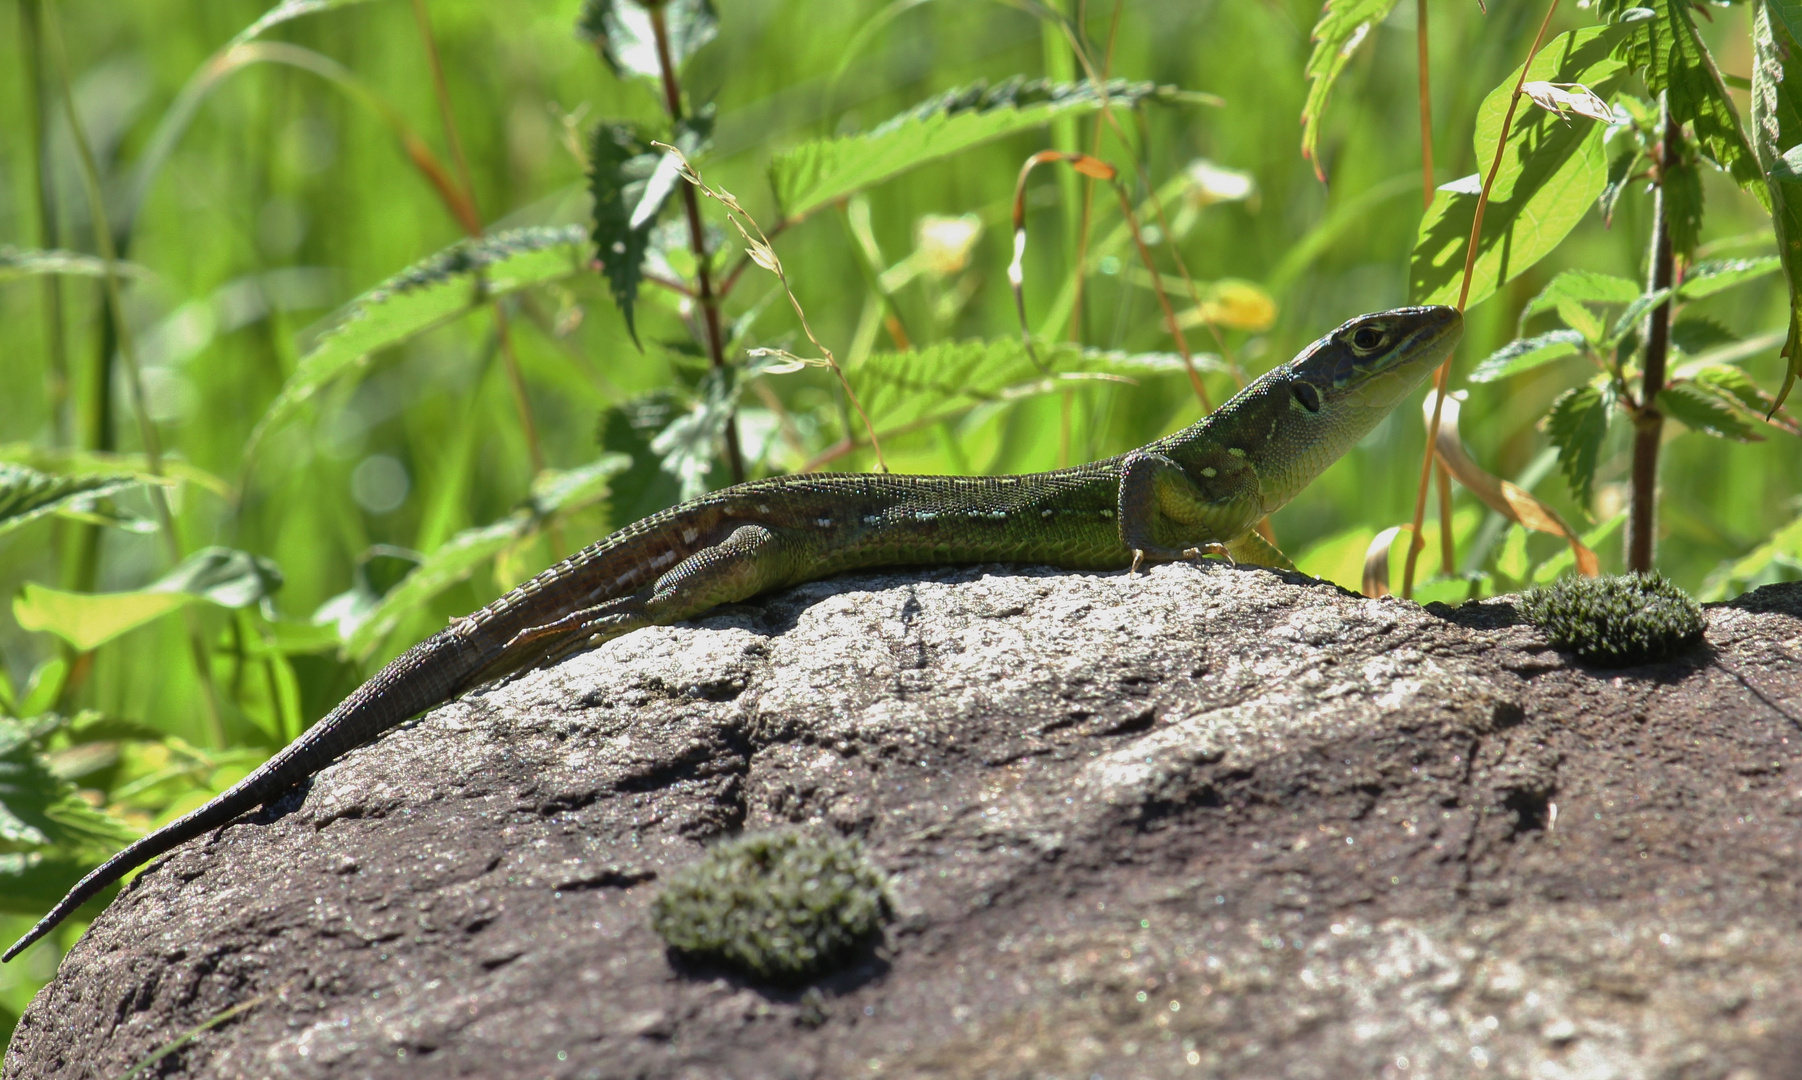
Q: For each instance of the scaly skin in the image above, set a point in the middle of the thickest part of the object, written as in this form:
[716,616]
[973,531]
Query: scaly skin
[1200,490]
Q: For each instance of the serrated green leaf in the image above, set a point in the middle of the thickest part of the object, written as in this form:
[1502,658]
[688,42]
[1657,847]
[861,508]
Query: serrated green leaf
[1344,25]
[819,172]
[631,182]
[1583,287]
[18,263]
[1683,201]
[1622,165]
[1671,56]
[1628,321]
[1694,334]
[222,576]
[427,294]
[39,809]
[1731,381]
[622,30]
[557,491]
[1524,354]
[1776,137]
[1577,424]
[454,561]
[1552,169]
[687,446]
[1718,275]
[26,494]
[1703,408]
[904,390]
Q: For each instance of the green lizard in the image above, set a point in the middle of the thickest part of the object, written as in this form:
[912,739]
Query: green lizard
[1201,490]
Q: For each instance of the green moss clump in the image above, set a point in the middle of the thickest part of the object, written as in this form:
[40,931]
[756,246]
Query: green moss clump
[782,906]
[1617,621]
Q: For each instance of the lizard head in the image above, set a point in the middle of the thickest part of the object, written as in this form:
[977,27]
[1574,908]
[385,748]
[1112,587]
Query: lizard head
[1320,404]
[1362,370]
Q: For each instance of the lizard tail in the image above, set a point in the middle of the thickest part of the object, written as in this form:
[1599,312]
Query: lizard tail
[427,674]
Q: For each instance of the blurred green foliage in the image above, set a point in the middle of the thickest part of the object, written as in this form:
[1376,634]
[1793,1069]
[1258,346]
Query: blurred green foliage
[510,415]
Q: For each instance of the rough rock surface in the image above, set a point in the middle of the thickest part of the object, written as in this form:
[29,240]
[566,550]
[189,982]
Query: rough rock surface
[1207,822]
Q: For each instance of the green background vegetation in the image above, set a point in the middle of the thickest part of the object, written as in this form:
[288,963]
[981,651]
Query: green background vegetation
[286,198]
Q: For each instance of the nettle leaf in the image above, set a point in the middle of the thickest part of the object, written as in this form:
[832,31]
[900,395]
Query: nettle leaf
[27,494]
[1583,287]
[1623,163]
[1551,170]
[18,263]
[217,575]
[1736,384]
[903,391]
[688,445]
[824,170]
[622,30]
[1344,25]
[1662,44]
[1628,322]
[1694,335]
[1705,408]
[1524,354]
[425,295]
[631,183]
[1777,139]
[1577,424]
[39,809]
[1683,200]
[1718,275]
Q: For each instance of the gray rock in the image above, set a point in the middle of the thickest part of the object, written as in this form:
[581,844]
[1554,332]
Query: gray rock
[1205,822]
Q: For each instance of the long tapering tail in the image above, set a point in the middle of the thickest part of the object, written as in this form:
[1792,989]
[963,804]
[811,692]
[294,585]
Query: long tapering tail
[428,674]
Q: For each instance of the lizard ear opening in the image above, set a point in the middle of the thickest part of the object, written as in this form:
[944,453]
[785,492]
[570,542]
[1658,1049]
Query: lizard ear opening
[1306,394]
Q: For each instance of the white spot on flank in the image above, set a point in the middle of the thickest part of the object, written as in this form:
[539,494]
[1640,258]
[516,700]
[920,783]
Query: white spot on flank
[1046,513]
[1107,515]
[1235,451]
[663,560]
[763,508]
[926,515]
[1210,471]
[623,578]
[688,535]
[872,519]
[823,522]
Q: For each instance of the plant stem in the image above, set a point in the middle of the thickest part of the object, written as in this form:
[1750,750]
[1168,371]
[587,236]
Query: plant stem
[1648,422]
[1444,374]
[697,242]
[128,351]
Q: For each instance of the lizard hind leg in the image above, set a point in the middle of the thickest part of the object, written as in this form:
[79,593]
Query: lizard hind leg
[750,561]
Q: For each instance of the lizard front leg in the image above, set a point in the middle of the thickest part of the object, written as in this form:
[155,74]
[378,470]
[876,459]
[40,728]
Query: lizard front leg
[1166,516]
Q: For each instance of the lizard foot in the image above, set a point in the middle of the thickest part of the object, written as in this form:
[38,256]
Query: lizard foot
[1194,554]
[1138,558]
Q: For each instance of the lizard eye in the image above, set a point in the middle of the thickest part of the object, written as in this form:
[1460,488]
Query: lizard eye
[1367,338]
[1307,395]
